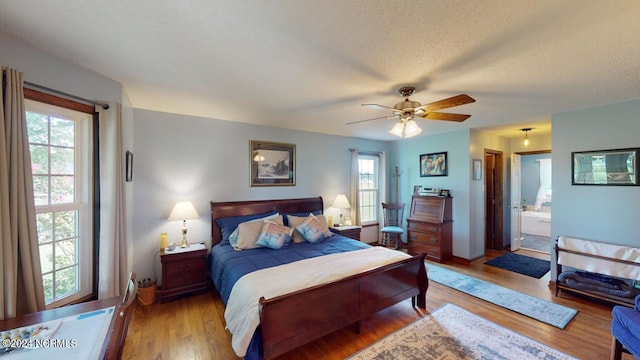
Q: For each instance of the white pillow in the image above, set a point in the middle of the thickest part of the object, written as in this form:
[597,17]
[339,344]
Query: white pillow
[246,234]
[295,221]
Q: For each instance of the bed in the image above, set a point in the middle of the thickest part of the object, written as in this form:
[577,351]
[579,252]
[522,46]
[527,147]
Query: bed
[293,319]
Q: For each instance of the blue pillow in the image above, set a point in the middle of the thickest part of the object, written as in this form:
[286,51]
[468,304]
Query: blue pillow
[229,224]
[300,214]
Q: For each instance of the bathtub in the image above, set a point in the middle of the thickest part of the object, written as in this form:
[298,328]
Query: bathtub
[536,223]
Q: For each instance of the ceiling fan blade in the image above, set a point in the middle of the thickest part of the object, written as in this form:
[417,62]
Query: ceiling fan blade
[379,107]
[444,116]
[378,118]
[447,103]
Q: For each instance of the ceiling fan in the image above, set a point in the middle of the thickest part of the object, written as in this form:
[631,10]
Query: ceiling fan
[406,110]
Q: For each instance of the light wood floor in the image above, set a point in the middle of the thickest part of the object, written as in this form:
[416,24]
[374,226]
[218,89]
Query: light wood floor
[193,327]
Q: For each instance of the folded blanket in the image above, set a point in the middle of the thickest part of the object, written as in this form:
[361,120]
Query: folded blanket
[592,283]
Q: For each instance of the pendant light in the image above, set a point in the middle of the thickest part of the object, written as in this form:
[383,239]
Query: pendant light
[526,137]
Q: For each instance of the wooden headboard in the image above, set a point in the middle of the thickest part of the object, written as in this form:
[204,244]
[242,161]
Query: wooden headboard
[241,208]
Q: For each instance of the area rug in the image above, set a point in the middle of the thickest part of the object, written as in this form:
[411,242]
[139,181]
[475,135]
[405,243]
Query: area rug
[525,265]
[538,309]
[452,332]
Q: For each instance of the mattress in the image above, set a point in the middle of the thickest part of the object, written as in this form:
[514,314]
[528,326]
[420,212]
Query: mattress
[226,265]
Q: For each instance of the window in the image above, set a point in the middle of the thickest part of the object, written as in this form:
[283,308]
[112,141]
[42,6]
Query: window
[369,186]
[59,141]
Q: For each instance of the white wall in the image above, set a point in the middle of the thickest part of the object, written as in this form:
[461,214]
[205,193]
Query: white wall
[181,157]
[602,213]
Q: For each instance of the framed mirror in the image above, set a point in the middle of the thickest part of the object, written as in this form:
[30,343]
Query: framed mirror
[605,167]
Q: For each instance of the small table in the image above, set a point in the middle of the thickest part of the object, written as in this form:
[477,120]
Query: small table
[351,231]
[183,271]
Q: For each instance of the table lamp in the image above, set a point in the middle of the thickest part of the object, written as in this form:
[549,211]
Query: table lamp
[184,211]
[341,202]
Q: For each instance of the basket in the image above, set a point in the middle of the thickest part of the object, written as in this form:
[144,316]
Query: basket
[147,295]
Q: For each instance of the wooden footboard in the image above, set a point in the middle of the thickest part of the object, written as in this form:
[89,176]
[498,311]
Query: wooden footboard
[292,320]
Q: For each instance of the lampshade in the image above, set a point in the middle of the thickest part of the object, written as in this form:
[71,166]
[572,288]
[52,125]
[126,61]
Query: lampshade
[411,129]
[183,210]
[341,202]
[397,129]
[405,128]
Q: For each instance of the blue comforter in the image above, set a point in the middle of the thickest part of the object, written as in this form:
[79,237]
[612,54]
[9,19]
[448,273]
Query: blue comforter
[226,265]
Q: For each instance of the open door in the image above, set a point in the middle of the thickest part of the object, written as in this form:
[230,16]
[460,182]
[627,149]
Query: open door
[516,201]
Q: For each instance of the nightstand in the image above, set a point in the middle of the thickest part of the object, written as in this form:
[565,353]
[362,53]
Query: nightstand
[350,231]
[183,271]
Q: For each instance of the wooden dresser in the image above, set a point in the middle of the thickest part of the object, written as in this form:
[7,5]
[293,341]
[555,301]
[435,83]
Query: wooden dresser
[429,227]
[183,271]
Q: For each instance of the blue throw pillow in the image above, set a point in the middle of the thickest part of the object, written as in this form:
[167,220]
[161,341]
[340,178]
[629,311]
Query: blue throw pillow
[274,235]
[229,224]
[311,230]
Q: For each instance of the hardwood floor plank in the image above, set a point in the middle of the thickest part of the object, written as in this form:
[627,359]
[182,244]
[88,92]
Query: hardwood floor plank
[194,327]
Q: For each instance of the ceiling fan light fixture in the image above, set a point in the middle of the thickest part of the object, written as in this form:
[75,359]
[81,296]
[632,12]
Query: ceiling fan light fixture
[411,129]
[405,129]
[397,129]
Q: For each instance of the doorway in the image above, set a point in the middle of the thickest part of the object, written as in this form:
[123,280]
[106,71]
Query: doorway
[535,200]
[494,196]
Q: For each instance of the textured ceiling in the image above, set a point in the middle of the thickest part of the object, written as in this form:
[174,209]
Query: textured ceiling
[310,64]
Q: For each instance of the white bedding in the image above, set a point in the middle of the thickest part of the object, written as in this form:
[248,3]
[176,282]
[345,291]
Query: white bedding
[243,309]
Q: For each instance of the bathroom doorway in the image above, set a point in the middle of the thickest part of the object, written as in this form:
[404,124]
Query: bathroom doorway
[536,199]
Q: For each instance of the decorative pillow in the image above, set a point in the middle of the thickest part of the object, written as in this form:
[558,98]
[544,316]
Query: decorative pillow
[274,235]
[229,224]
[246,234]
[302,215]
[295,221]
[312,230]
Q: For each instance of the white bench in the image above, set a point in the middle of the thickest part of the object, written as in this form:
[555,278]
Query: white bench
[617,261]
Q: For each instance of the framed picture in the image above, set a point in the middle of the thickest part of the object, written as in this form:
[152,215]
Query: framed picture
[128,177]
[272,164]
[444,192]
[417,189]
[477,169]
[434,164]
[605,167]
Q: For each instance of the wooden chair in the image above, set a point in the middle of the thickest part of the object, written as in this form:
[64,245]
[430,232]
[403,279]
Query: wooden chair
[392,226]
[120,321]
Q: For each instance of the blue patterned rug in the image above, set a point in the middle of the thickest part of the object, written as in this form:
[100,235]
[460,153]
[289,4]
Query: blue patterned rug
[538,309]
[451,332]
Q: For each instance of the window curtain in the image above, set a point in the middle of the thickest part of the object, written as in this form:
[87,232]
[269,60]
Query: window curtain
[355,188]
[21,289]
[544,191]
[112,260]
[382,181]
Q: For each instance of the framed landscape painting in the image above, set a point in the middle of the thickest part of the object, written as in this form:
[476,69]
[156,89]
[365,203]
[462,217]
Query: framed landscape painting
[605,167]
[434,164]
[272,164]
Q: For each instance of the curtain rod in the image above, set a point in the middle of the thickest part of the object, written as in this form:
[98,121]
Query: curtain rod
[366,151]
[58,92]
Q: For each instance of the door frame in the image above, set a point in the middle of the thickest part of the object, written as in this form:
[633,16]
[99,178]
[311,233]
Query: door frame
[494,205]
